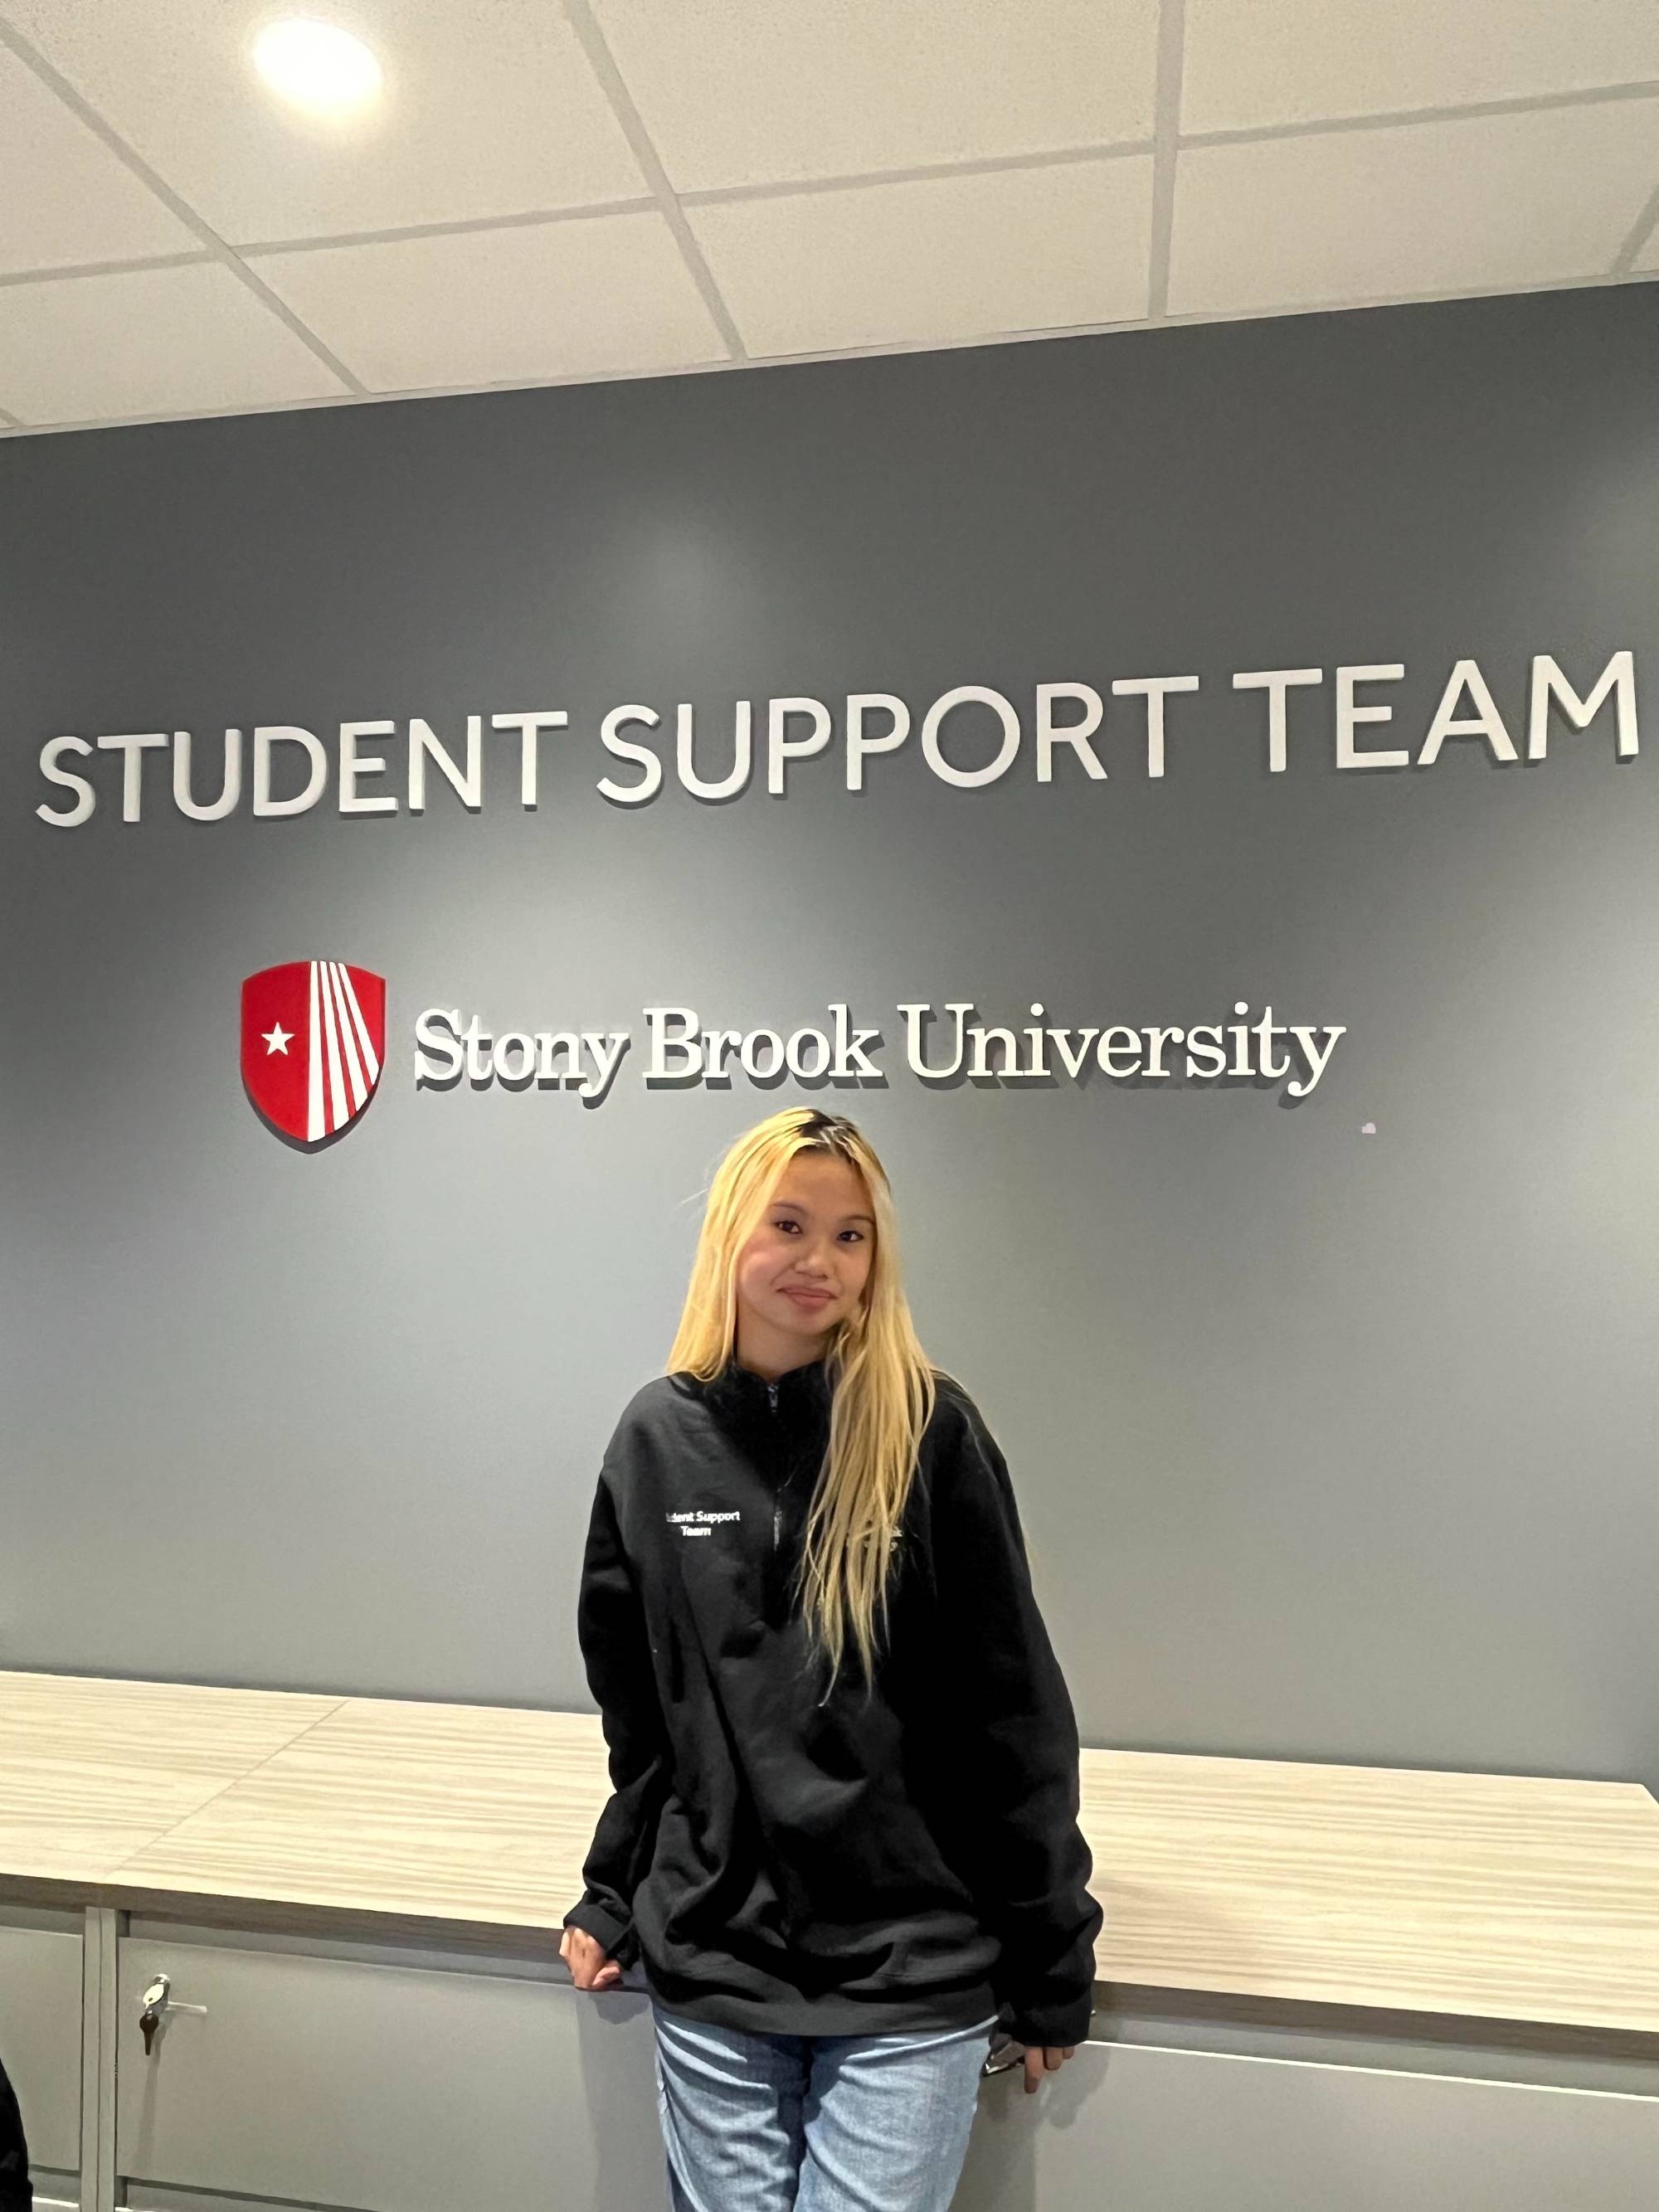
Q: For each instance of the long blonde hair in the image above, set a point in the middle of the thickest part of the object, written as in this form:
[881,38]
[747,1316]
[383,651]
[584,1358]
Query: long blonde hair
[882,1381]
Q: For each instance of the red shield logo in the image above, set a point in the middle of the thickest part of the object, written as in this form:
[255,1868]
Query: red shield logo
[313,1045]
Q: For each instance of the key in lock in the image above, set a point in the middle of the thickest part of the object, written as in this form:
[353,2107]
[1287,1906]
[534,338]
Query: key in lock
[157,2003]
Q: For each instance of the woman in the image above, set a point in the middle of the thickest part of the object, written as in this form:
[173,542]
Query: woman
[843,1840]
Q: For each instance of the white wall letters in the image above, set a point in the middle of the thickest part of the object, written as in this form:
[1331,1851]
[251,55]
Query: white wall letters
[987,730]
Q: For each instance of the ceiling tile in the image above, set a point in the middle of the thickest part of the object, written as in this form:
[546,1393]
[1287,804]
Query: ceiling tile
[64,198]
[942,258]
[489,109]
[742,92]
[1249,62]
[586,297]
[149,341]
[1487,202]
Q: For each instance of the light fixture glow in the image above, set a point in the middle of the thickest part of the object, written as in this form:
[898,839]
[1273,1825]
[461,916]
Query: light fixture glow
[316,66]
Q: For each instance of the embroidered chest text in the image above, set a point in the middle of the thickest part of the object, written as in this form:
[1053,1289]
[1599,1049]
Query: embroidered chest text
[701,1523]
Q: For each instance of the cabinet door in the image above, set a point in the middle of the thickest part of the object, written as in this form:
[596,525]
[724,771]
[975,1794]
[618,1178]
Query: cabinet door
[1139,2129]
[40,2039]
[384,2089]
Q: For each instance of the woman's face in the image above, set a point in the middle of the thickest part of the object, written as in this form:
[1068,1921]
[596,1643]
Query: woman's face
[805,1267]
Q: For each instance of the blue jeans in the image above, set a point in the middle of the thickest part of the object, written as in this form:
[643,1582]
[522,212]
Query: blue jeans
[815,2122]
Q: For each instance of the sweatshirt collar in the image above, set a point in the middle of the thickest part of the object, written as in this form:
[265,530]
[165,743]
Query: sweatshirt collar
[798,1391]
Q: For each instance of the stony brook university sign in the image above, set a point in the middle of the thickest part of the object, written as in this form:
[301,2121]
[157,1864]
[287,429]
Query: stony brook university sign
[314,1047]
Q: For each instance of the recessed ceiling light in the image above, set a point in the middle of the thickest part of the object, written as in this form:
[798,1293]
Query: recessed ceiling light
[316,66]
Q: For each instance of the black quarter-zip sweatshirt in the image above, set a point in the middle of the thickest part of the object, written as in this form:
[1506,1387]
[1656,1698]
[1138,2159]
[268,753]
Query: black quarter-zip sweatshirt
[900,1857]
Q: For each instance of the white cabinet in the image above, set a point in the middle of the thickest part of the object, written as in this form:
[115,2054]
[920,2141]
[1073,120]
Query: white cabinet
[377,2087]
[1139,2129]
[40,2038]
[383,2089]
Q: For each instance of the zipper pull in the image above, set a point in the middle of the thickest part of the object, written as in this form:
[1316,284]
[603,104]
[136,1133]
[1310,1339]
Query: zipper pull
[777,1508]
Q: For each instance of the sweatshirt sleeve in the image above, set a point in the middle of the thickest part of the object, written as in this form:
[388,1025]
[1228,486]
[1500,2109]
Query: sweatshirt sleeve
[616,1653]
[1015,1743]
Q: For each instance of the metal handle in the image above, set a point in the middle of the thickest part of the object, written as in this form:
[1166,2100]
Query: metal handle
[1002,2060]
[157,2002]
[1007,2055]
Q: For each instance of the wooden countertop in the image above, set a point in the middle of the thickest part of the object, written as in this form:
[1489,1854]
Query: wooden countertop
[1478,1896]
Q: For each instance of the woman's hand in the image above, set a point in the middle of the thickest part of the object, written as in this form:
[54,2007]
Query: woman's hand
[1042,2058]
[591,1967]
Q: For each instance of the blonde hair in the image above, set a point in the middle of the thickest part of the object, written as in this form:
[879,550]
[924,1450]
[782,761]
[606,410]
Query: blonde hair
[882,1382]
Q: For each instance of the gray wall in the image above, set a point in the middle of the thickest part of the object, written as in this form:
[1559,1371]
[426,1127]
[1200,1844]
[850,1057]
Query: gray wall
[1330,1446]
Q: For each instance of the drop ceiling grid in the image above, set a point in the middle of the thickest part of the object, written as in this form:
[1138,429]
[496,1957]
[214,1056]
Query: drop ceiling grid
[750,143]
[97,209]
